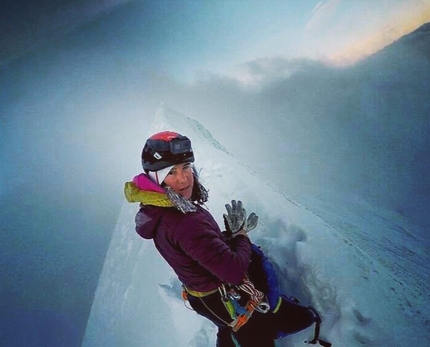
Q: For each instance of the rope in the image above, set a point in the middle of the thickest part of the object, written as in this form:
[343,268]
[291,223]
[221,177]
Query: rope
[209,309]
[256,297]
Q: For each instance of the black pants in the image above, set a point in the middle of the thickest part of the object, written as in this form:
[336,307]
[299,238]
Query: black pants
[255,333]
[291,318]
[261,330]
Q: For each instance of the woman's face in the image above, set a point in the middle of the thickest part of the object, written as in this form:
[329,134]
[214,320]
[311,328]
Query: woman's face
[181,179]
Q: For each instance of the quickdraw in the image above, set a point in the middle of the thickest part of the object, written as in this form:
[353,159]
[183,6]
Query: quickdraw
[238,313]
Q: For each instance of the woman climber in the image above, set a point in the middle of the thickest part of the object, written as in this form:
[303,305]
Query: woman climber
[225,277]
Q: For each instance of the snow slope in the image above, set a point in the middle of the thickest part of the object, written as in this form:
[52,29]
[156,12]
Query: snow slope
[363,269]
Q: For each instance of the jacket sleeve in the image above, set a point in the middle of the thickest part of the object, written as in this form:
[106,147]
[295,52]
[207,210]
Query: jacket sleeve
[207,246]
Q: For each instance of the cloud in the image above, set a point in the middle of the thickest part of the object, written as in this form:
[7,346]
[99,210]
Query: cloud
[350,127]
[260,72]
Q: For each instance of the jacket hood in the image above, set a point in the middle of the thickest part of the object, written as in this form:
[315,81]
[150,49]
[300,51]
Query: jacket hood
[144,182]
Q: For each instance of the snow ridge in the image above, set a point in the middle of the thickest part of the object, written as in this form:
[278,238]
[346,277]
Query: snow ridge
[361,301]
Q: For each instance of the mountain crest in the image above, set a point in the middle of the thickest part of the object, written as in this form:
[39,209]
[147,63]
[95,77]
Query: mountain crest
[168,119]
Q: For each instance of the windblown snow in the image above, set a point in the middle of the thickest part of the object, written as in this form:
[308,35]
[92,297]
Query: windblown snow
[361,268]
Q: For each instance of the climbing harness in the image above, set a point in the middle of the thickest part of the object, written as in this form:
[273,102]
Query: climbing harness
[200,295]
[239,313]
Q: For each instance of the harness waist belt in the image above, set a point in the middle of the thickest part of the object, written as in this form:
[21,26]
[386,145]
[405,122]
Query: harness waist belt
[199,294]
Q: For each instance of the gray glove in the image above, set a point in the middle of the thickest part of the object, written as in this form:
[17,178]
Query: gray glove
[235,219]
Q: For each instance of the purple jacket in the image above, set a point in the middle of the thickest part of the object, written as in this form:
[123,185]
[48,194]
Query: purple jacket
[194,246]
